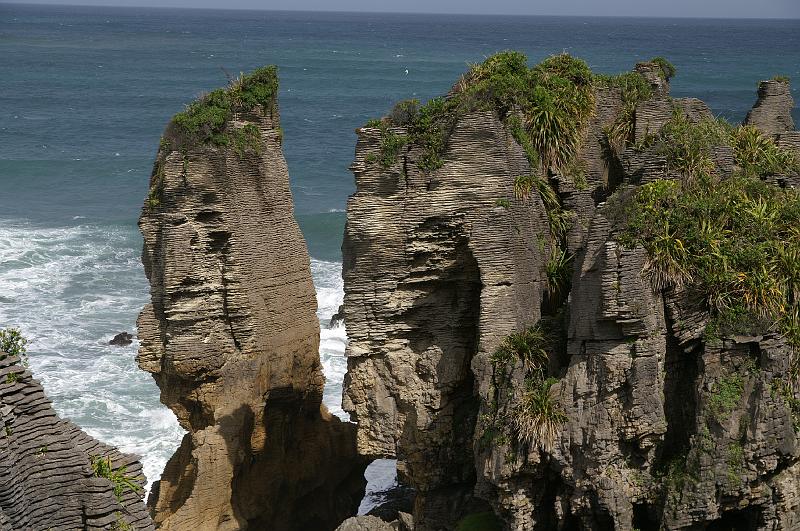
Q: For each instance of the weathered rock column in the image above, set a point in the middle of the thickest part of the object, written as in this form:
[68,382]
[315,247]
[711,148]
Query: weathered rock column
[772,112]
[438,268]
[232,336]
[47,480]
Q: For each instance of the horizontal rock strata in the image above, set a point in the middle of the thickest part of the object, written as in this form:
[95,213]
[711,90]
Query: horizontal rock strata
[232,336]
[442,265]
[46,476]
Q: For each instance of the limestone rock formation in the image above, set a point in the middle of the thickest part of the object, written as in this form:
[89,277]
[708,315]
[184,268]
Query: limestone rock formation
[47,479]
[231,336]
[637,416]
[772,113]
[456,272]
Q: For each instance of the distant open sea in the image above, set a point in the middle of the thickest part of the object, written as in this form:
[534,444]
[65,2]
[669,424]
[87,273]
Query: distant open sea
[85,93]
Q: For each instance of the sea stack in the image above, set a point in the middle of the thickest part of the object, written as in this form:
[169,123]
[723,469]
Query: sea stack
[231,336]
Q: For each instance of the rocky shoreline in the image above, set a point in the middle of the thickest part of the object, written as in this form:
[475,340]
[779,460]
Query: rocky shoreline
[529,336]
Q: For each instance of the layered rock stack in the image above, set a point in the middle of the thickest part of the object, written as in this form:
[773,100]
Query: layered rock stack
[654,423]
[772,112]
[52,474]
[231,336]
[457,272]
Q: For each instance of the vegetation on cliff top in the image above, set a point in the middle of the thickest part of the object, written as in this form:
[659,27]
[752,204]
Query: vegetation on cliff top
[205,121]
[545,107]
[13,343]
[735,239]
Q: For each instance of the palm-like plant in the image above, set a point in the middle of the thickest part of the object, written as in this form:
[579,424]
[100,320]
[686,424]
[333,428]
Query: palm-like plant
[666,264]
[531,346]
[539,417]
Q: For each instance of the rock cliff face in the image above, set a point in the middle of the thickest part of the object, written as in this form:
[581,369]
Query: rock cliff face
[231,336]
[47,478]
[434,268]
[637,416]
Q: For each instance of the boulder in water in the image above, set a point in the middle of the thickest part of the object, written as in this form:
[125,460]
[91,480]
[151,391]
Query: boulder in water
[123,339]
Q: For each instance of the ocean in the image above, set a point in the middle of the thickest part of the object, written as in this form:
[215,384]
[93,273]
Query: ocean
[85,93]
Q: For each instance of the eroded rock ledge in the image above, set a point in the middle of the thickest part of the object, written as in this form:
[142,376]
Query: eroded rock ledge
[231,336]
[47,480]
[454,257]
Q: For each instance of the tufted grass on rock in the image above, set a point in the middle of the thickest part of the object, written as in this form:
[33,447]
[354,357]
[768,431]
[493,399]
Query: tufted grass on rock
[633,89]
[736,240]
[121,524]
[204,121]
[538,416]
[102,468]
[531,346]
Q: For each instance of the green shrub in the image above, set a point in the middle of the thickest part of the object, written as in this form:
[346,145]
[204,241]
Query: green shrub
[404,112]
[246,138]
[391,145]
[674,474]
[735,463]
[480,522]
[102,468]
[667,68]
[13,343]
[781,79]
[687,146]
[726,394]
[204,121]
[12,377]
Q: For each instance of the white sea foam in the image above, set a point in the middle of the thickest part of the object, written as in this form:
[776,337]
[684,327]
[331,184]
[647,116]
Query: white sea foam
[332,341]
[70,289]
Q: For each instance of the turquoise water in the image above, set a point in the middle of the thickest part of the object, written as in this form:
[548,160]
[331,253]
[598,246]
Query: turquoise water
[86,92]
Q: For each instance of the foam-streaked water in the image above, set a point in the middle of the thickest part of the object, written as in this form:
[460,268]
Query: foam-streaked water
[86,92]
[71,289]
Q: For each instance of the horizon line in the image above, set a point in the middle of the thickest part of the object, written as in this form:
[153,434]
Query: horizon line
[419,13]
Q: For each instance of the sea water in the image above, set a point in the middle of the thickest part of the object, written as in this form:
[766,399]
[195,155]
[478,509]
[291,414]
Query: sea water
[86,92]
